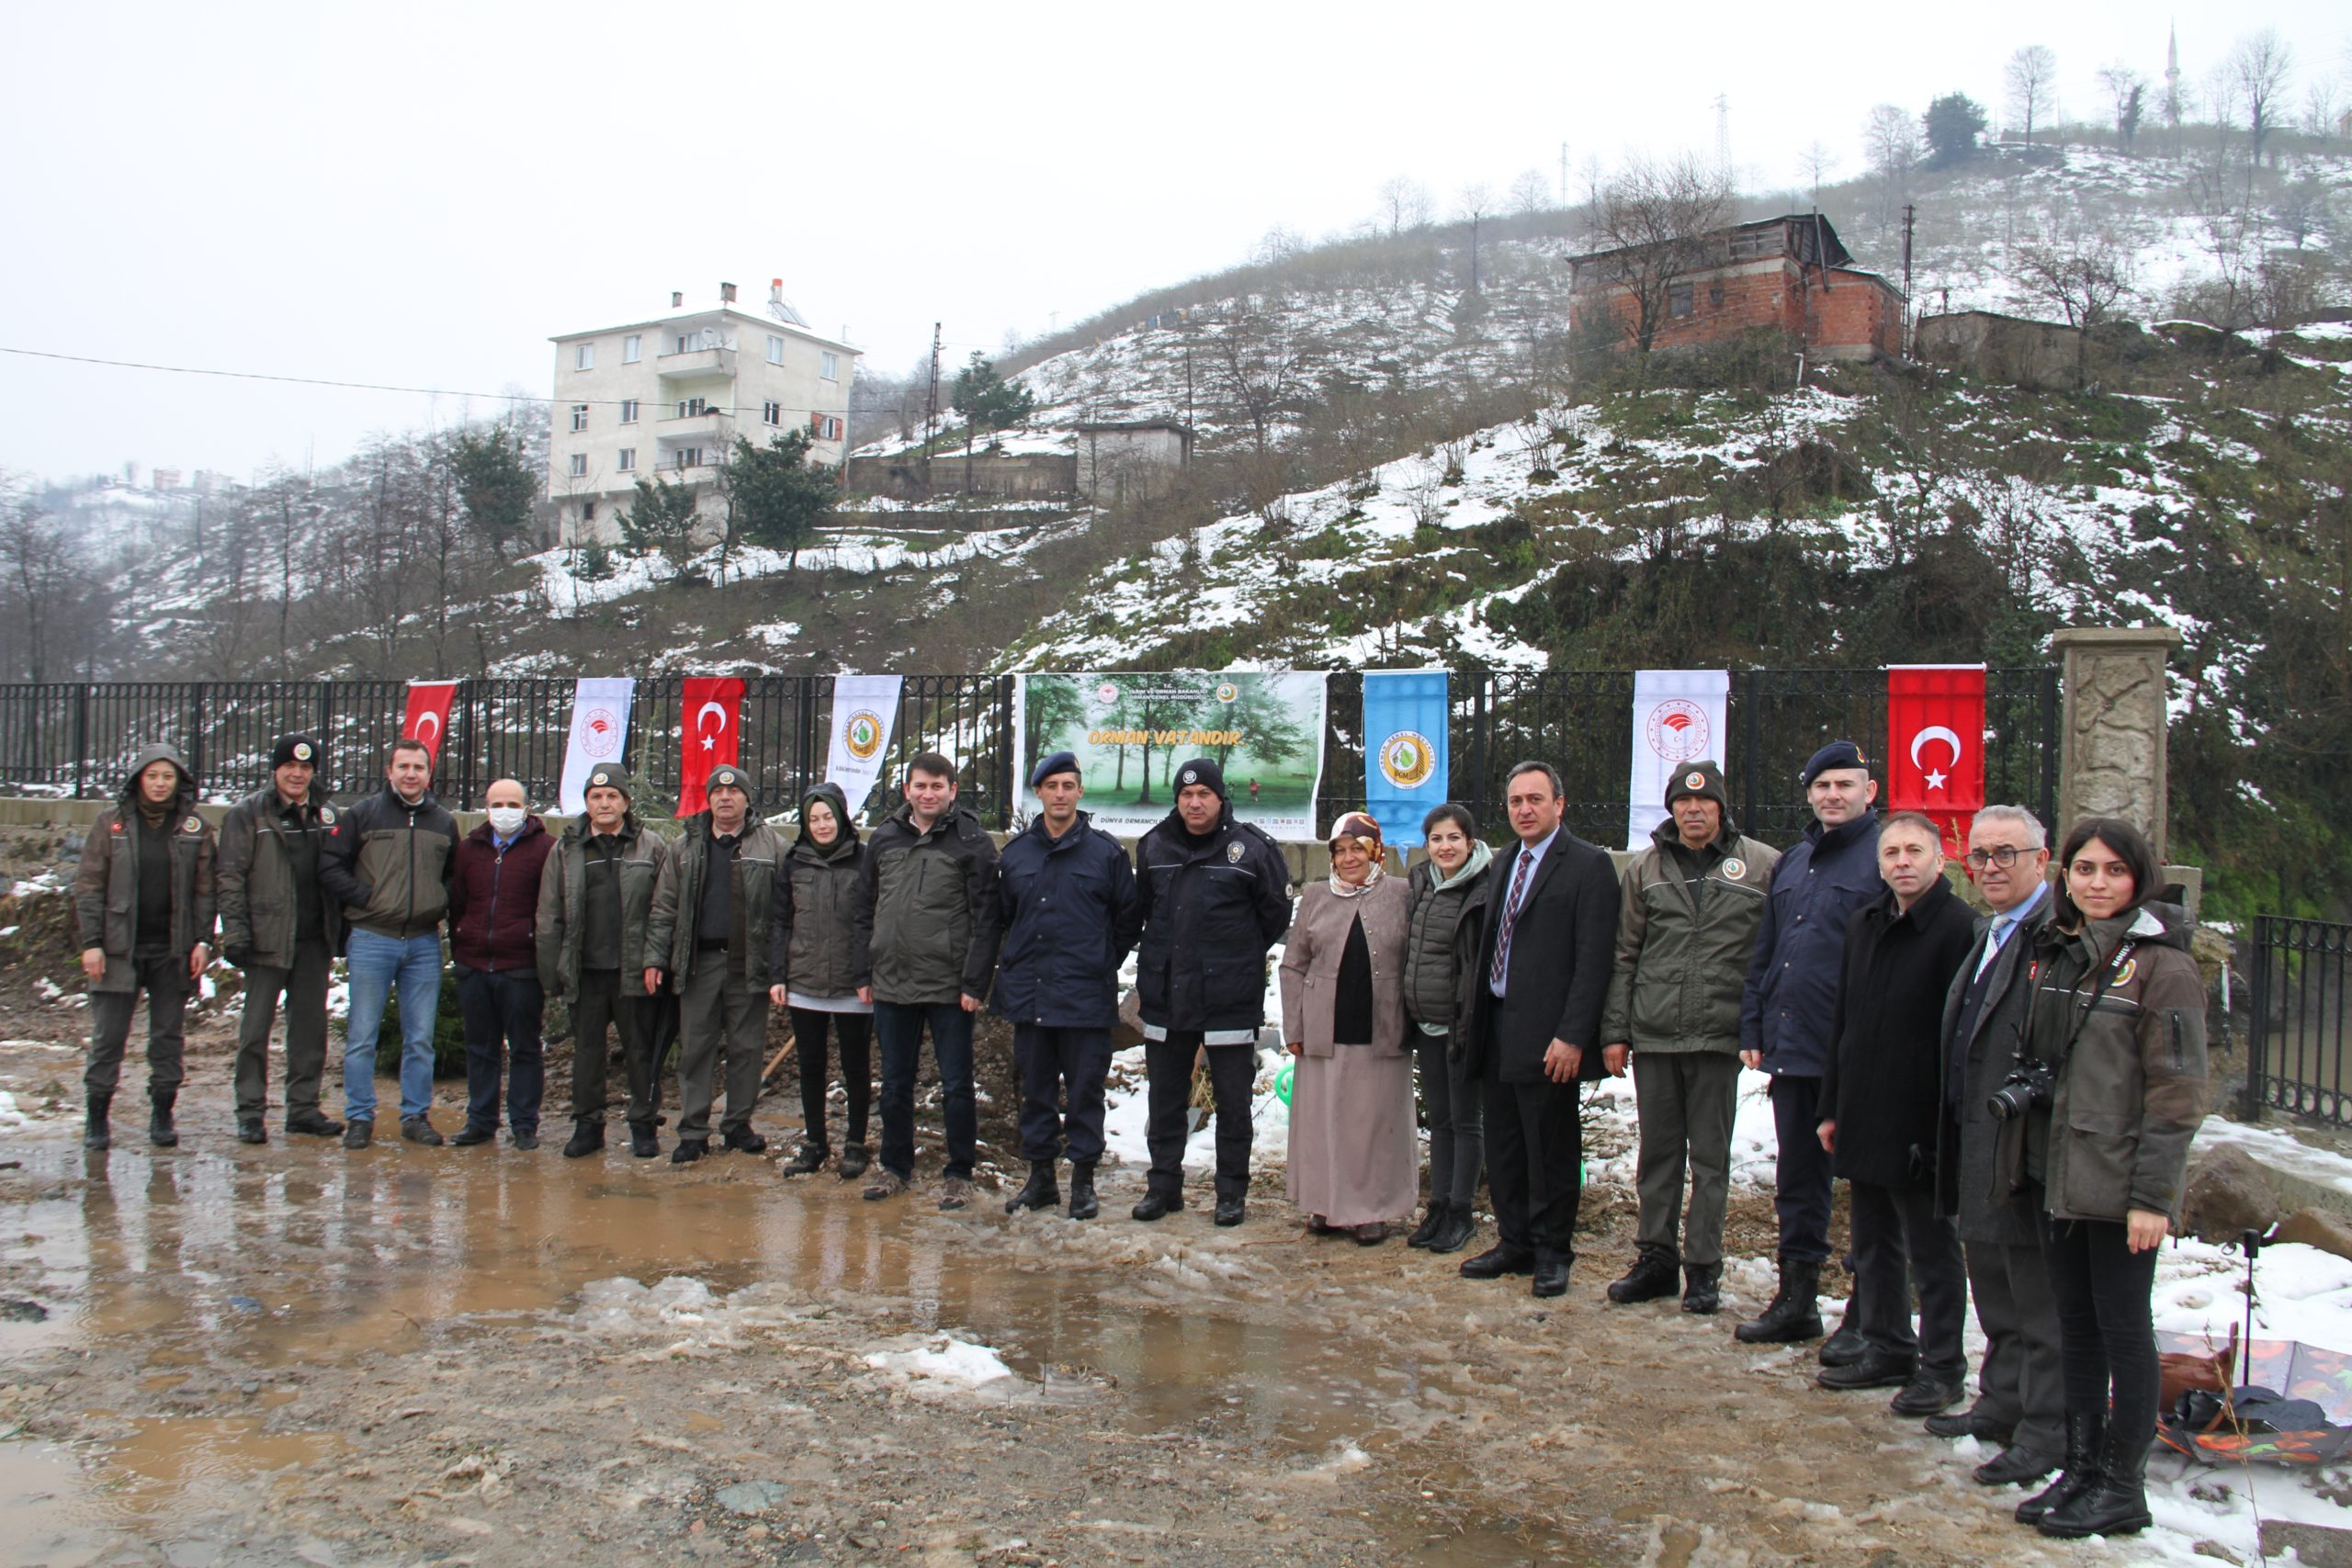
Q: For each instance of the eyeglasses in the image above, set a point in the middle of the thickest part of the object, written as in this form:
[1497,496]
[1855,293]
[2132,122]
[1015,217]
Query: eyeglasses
[2004,857]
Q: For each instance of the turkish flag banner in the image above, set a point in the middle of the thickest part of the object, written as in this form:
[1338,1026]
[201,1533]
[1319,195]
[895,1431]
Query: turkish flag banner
[1935,745]
[427,715]
[711,726]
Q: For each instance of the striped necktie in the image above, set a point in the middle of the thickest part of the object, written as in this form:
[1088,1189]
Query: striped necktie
[1510,918]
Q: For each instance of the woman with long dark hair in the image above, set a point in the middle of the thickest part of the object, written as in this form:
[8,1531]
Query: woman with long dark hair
[1445,903]
[2108,1091]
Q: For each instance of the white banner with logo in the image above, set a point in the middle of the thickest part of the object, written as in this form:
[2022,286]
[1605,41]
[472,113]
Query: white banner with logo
[1680,717]
[866,710]
[599,734]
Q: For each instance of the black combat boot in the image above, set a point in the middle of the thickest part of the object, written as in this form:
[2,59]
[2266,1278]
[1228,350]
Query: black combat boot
[96,1134]
[1653,1275]
[587,1137]
[805,1160]
[2118,1504]
[160,1130]
[1040,1191]
[2079,1473]
[1702,1288]
[1083,1204]
[1794,1315]
[853,1161]
[642,1143]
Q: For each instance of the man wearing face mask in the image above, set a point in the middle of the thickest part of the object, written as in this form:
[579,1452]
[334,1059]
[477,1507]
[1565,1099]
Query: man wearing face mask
[494,913]
[595,898]
[709,929]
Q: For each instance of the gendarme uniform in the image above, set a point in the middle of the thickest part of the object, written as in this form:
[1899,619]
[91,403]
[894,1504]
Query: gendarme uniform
[280,928]
[595,904]
[708,928]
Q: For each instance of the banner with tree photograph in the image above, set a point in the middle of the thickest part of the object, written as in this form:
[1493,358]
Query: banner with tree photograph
[1130,732]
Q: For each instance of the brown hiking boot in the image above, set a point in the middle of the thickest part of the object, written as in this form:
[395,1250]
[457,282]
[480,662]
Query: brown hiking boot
[889,1184]
[956,1191]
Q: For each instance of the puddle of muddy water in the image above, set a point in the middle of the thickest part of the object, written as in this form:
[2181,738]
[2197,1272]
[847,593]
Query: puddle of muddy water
[303,1258]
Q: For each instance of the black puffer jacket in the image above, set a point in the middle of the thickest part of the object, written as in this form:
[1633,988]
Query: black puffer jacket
[1211,909]
[816,906]
[1437,952]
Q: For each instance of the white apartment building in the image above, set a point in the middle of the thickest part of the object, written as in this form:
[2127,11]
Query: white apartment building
[669,394]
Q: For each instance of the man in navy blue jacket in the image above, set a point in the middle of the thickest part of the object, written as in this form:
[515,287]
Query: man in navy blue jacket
[1065,900]
[1786,1015]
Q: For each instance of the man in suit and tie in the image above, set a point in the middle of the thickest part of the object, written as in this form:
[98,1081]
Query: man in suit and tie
[1545,965]
[2021,1403]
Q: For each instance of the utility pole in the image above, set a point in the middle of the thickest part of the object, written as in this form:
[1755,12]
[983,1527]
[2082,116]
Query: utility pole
[931,407]
[1909,213]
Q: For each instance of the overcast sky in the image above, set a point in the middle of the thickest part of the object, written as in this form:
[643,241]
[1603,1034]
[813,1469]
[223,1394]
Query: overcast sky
[421,194]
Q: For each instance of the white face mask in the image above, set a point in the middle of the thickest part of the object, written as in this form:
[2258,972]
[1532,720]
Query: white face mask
[506,820]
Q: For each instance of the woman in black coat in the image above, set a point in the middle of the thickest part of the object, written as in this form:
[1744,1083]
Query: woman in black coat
[1882,1095]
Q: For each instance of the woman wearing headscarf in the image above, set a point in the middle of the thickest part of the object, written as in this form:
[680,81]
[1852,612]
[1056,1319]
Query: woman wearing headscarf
[1352,1147]
[2108,1088]
[816,887]
[1445,900]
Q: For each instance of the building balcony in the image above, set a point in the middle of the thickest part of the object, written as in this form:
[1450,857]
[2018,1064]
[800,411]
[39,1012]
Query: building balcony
[712,425]
[695,363]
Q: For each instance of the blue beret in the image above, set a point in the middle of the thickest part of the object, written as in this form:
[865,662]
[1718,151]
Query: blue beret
[1836,754]
[1059,763]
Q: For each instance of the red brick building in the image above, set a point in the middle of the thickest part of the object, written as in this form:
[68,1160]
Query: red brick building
[1790,275]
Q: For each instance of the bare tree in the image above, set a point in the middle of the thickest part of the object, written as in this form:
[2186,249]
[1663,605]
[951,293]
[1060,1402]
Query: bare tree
[1255,363]
[43,579]
[1276,245]
[1655,225]
[2259,68]
[1404,204]
[2127,92]
[2031,78]
[1891,144]
[1817,161]
[1474,200]
[1530,193]
[2322,107]
[2083,277]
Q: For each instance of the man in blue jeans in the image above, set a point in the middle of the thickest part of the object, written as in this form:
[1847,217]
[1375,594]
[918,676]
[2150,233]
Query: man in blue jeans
[923,951]
[387,862]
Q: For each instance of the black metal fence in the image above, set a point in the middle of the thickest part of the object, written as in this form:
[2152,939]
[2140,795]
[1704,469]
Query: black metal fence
[78,739]
[2297,1058]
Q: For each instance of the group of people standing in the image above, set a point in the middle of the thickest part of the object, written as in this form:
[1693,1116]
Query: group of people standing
[2009,1100]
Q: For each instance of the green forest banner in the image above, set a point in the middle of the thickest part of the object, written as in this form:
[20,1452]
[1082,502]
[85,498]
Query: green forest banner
[1130,732]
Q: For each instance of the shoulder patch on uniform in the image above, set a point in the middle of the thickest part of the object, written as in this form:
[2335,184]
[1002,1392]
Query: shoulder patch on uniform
[1734,868]
[1233,853]
[326,815]
[193,825]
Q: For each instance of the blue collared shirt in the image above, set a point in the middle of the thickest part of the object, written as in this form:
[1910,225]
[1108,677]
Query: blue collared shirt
[1534,853]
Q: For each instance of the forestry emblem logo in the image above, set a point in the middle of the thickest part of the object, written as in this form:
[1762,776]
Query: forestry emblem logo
[1407,759]
[863,735]
[1677,729]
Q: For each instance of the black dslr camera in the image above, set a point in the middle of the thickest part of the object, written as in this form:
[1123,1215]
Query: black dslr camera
[2030,1083]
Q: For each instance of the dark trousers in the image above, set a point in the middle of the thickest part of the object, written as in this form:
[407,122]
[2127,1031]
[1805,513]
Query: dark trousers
[1233,1076]
[855,1031]
[502,1009]
[1456,1113]
[1048,1059]
[165,981]
[897,1035]
[603,1005]
[1534,1162]
[2020,1383]
[1803,1170]
[1900,1239]
[2107,1339]
[717,1013]
[1686,1101]
[303,985]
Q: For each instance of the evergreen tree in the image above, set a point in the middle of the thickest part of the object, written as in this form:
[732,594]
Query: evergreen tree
[1952,123]
[774,499]
[661,521]
[495,485]
[988,402]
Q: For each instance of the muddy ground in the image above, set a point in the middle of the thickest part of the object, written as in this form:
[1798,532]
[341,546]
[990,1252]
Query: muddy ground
[220,1354]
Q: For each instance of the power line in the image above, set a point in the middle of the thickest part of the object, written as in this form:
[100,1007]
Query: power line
[353,386]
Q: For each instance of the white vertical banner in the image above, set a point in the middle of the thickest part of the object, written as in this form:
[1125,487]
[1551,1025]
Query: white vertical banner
[865,709]
[599,734]
[1680,716]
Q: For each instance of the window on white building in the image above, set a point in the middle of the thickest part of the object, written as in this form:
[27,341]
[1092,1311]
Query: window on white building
[771,413]
[776,349]
[628,462]
[580,416]
[632,348]
[587,512]
[584,357]
[829,365]
[580,465]
[628,411]
[689,407]
[689,457]
[824,427]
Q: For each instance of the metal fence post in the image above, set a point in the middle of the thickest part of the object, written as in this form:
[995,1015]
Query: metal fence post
[81,737]
[1479,726]
[2257,1042]
[2053,699]
[1004,753]
[1751,721]
[195,730]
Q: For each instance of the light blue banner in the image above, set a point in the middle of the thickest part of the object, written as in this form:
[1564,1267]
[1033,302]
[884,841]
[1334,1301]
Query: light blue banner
[1404,756]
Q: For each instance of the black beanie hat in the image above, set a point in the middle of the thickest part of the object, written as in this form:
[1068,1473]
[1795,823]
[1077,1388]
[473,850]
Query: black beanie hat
[1702,779]
[294,749]
[1202,771]
[1837,754]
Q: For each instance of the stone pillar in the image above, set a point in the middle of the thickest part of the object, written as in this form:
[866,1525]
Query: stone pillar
[2111,732]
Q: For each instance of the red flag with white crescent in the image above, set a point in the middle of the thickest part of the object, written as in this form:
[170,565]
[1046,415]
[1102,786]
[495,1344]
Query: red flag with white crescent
[426,717]
[709,733]
[1935,745]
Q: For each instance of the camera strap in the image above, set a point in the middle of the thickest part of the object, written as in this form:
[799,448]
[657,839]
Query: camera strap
[2106,977]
